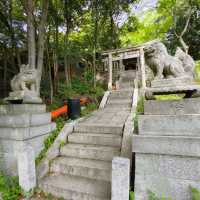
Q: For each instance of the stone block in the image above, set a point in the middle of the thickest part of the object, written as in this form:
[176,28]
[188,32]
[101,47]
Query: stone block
[22,108]
[167,145]
[182,125]
[175,189]
[104,99]
[126,146]
[120,178]
[26,167]
[172,82]
[176,167]
[172,107]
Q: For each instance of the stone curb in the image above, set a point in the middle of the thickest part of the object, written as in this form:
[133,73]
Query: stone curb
[104,99]
[54,151]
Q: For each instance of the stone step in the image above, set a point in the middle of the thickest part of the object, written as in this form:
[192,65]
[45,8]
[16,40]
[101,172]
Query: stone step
[98,128]
[94,169]
[95,139]
[182,125]
[172,107]
[122,106]
[122,102]
[167,145]
[90,151]
[76,188]
[121,94]
[126,85]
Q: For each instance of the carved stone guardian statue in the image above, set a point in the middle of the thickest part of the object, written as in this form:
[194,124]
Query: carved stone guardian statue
[24,86]
[172,74]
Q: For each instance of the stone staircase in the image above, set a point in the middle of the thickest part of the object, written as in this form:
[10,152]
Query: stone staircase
[83,169]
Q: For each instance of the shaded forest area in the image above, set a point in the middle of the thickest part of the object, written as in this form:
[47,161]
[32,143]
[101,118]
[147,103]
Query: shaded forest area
[63,39]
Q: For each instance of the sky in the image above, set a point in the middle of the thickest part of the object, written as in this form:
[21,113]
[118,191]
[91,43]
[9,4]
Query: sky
[138,9]
[143,6]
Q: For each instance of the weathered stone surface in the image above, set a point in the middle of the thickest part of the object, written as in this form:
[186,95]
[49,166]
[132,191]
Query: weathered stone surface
[54,151]
[93,169]
[26,167]
[22,108]
[120,178]
[96,139]
[166,66]
[90,151]
[172,107]
[177,167]
[172,82]
[25,133]
[104,99]
[167,145]
[72,187]
[181,125]
[24,86]
[193,90]
[24,120]
[175,189]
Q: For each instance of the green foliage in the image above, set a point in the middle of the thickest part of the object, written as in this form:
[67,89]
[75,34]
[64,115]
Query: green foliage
[51,138]
[131,195]
[139,110]
[169,97]
[195,193]
[89,108]
[9,187]
[152,196]
[197,72]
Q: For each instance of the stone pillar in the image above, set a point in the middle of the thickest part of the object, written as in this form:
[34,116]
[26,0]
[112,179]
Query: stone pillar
[120,178]
[142,65]
[110,71]
[26,166]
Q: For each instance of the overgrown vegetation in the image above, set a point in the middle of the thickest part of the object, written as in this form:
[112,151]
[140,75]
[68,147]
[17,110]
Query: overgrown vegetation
[51,138]
[195,193]
[9,187]
[139,110]
[131,195]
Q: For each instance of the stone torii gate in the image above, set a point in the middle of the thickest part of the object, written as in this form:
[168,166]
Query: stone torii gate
[116,61]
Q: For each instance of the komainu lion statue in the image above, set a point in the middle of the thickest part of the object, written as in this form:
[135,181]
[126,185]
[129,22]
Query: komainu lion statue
[25,80]
[164,65]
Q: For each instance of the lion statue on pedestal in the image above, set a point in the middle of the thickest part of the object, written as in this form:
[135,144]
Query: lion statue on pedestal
[166,66]
[25,80]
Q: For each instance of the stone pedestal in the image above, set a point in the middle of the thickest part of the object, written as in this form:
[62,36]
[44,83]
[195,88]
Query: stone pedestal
[120,178]
[167,149]
[24,125]
[173,86]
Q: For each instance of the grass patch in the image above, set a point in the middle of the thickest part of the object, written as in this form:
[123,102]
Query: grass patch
[139,110]
[131,195]
[169,97]
[9,187]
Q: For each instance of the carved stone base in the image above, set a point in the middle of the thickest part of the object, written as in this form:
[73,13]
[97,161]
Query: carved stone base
[24,97]
[172,82]
[190,91]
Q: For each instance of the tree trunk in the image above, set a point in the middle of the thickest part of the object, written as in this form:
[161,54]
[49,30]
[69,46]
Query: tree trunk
[184,45]
[5,74]
[41,41]
[29,7]
[66,58]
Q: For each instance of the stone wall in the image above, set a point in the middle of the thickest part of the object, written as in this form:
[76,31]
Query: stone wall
[167,149]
